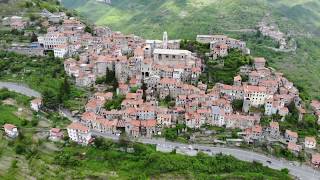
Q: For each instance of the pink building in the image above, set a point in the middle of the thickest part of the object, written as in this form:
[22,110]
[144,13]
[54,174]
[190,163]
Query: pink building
[55,134]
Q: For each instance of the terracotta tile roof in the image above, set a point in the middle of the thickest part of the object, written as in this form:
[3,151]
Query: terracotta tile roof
[222,46]
[203,111]
[146,108]
[310,139]
[182,97]
[107,95]
[315,158]
[257,129]
[133,81]
[259,60]
[291,133]
[293,146]
[301,110]
[315,104]
[9,126]
[94,103]
[249,88]
[255,73]
[168,81]
[196,69]
[78,126]
[130,111]
[138,51]
[88,116]
[131,96]
[269,83]
[274,125]
[284,110]
[108,123]
[237,78]
[36,101]
[112,112]
[135,123]
[123,86]
[232,88]
[166,116]
[179,109]
[106,59]
[55,130]
[149,123]
[193,96]
[239,117]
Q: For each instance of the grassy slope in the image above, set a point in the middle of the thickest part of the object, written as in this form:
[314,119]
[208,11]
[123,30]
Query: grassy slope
[178,17]
[186,18]
[17,7]
[75,162]
[40,73]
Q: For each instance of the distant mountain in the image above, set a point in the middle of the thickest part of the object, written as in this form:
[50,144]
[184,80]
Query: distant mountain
[183,18]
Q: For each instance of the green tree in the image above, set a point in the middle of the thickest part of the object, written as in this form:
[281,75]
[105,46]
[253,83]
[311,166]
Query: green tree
[50,100]
[144,88]
[171,133]
[64,93]
[124,140]
[34,122]
[101,143]
[20,148]
[110,77]
[237,104]
[34,37]
[285,170]
[88,29]
[115,103]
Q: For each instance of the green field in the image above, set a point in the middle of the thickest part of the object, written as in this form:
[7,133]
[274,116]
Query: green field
[185,19]
[10,102]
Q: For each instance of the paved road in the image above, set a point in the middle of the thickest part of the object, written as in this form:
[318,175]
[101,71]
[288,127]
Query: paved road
[20,88]
[66,113]
[302,172]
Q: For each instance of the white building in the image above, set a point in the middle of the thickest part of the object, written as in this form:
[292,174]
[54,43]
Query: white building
[60,51]
[256,94]
[11,130]
[210,38]
[171,56]
[310,142]
[217,116]
[79,133]
[55,134]
[164,44]
[52,39]
[36,104]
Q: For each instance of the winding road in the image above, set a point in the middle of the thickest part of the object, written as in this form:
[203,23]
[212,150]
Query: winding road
[20,88]
[301,171]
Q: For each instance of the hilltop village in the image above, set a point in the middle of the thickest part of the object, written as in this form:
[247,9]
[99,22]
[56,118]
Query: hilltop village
[158,85]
